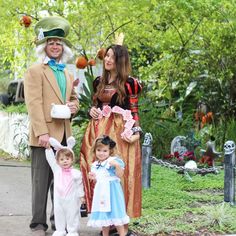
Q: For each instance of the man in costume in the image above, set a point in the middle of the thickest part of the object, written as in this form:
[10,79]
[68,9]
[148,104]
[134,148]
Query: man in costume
[46,83]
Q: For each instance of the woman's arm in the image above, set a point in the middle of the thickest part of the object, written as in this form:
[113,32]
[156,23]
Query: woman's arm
[94,112]
[133,89]
[132,139]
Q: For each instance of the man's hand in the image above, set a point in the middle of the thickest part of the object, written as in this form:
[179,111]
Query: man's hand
[44,141]
[72,106]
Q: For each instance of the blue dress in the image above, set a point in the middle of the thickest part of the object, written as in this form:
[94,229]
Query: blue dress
[108,206]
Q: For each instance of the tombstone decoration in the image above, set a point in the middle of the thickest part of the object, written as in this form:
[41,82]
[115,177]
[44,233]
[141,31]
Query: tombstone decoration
[146,160]
[184,143]
[210,152]
[185,147]
[229,177]
[178,145]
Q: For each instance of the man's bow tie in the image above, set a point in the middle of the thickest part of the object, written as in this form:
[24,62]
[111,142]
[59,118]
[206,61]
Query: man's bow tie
[56,65]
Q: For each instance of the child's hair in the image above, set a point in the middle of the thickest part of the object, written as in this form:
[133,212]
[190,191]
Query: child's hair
[104,140]
[65,152]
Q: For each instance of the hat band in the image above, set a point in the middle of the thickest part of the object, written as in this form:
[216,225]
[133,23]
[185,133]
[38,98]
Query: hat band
[54,32]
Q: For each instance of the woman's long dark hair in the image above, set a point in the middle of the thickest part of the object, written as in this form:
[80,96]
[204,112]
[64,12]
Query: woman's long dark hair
[123,70]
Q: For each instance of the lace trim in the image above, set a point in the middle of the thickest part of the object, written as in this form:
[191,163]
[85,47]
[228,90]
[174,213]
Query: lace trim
[108,222]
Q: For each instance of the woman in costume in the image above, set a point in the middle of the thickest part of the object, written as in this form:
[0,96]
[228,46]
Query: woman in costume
[114,112]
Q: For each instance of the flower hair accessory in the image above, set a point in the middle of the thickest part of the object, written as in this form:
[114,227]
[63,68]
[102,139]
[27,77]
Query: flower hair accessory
[106,140]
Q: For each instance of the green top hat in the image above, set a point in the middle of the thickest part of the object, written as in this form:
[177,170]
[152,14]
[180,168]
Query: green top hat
[52,27]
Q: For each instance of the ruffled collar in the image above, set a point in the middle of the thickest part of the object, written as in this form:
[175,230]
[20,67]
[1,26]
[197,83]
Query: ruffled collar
[104,163]
[66,170]
[47,59]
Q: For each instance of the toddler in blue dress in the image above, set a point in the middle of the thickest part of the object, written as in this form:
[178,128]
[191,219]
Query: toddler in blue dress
[108,206]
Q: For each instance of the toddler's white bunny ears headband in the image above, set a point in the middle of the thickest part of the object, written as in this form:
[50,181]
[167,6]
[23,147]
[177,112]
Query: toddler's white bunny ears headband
[57,145]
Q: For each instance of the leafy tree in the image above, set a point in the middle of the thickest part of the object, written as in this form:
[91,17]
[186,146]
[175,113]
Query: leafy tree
[183,51]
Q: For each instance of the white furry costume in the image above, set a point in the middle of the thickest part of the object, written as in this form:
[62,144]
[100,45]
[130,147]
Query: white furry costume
[68,189]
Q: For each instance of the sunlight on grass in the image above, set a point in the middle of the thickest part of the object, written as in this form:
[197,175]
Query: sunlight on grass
[174,204]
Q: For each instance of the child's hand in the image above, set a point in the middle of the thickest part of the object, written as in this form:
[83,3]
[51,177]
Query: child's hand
[118,169]
[82,200]
[113,163]
[92,176]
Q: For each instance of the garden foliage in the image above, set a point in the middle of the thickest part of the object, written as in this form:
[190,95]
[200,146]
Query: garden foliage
[182,51]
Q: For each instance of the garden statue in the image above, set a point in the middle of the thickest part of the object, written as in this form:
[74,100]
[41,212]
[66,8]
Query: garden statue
[210,153]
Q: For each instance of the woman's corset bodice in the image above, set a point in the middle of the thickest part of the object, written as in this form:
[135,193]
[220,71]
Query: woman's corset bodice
[106,96]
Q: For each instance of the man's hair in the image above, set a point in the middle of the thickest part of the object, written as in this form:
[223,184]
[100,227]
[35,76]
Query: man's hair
[41,54]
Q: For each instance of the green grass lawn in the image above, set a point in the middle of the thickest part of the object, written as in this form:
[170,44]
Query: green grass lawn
[176,206]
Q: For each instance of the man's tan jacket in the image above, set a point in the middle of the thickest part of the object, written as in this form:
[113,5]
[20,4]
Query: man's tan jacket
[41,90]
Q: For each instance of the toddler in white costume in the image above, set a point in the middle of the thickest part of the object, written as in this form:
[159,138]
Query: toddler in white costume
[68,188]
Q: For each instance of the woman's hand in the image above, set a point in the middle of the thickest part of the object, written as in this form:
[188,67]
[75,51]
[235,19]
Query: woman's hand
[133,138]
[94,113]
